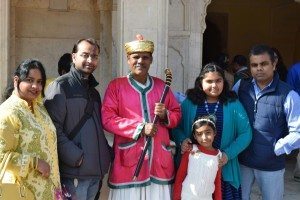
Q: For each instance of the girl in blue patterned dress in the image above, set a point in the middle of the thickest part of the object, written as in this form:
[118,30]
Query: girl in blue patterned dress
[211,96]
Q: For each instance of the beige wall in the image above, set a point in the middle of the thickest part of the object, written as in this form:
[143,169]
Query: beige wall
[4,43]
[47,35]
[44,32]
[273,22]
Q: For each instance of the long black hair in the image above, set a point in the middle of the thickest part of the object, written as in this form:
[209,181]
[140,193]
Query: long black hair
[198,96]
[22,72]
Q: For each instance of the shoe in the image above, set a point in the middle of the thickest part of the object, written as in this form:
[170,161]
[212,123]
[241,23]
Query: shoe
[297,178]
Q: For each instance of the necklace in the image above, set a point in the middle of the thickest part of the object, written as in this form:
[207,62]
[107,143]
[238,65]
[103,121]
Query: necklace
[213,115]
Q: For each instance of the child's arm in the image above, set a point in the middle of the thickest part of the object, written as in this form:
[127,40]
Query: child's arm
[180,176]
[218,189]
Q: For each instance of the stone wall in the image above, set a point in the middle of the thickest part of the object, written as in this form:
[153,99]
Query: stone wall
[4,44]
[185,40]
[47,29]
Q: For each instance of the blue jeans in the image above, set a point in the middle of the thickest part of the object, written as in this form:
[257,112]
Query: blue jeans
[84,189]
[270,183]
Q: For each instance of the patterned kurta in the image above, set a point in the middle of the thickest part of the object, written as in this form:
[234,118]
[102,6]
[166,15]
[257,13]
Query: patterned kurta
[28,135]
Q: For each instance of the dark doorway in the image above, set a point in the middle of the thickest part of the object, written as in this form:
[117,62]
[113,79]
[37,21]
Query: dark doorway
[297,47]
[215,36]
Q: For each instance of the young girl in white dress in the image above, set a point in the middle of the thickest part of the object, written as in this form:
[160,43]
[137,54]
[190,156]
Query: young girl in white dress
[199,175]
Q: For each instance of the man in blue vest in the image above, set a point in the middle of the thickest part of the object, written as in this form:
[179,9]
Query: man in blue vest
[273,109]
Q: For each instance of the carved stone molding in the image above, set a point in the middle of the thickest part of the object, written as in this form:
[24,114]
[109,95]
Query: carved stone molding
[182,19]
[203,14]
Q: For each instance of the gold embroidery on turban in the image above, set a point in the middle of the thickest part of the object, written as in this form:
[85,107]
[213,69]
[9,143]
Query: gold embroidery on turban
[139,45]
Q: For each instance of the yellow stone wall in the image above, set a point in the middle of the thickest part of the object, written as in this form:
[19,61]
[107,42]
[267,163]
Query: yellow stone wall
[43,32]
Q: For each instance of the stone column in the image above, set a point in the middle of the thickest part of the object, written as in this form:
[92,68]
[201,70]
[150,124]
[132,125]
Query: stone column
[105,44]
[4,43]
[186,28]
[149,18]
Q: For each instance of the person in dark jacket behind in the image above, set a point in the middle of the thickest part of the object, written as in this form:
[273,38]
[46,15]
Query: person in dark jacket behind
[239,65]
[273,109]
[222,60]
[84,159]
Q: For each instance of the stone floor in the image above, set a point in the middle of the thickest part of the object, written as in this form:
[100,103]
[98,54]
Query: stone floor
[292,188]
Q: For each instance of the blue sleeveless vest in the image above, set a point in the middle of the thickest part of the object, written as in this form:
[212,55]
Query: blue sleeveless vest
[268,122]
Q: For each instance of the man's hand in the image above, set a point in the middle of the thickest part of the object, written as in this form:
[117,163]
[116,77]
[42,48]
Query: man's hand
[150,129]
[160,110]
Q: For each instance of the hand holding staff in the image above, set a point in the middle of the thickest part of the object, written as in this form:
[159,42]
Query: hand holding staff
[149,130]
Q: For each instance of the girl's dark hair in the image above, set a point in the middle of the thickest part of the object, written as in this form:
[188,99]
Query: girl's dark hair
[22,72]
[201,121]
[198,96]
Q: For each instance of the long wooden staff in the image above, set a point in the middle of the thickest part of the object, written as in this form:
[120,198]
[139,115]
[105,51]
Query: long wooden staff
[168,81]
